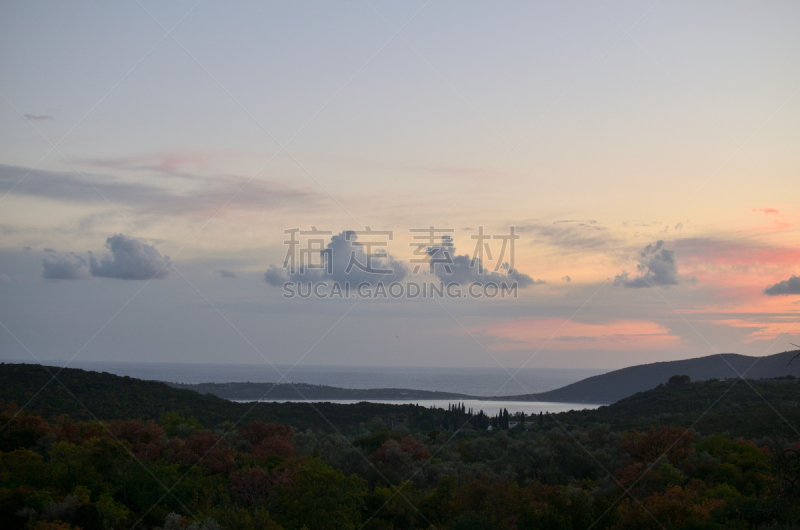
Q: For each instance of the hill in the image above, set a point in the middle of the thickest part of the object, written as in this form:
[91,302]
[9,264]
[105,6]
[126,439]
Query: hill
[302,391]
[112,397]
[748,409]
[619,384]
[65,472]
[772,409]
[604,388]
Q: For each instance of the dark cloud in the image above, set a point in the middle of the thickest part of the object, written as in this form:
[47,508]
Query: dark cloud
[65,266]
[204,195]
[49,249]
[790,286]
[130,260]
[451,268]
[27,249]
[223,273]
[37,117]
[346,261]
[657,267]
[567,279]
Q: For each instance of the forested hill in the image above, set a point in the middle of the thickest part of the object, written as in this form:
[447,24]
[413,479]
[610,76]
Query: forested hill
[605,388]
[674,449]
[304,391]
[749,409]
[111,397]
[619,384]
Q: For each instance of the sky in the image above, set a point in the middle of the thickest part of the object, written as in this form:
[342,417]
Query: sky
[155,158]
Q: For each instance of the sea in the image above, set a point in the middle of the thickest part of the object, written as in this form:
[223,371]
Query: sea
[490,407]
[493,383]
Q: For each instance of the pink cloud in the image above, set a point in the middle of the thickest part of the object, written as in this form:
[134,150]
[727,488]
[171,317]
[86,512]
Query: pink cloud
[766,210]
[763,330]
[732,275]
[177,162]
[735,253]
[562,334]
[743,302]
[740,265]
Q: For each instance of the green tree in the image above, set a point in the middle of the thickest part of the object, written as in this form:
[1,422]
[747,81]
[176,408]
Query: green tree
[321,498]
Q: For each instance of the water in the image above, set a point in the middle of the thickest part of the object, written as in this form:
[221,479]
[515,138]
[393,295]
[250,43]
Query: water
[482,382]
[489,407]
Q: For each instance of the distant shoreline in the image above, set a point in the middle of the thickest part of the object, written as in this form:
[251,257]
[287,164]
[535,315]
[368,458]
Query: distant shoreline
[485,405]
[353,385]
[602,389]
[300,392]
[305,391]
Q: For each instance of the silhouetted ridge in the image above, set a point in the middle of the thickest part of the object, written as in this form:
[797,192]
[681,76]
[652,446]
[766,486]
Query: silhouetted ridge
[616,385]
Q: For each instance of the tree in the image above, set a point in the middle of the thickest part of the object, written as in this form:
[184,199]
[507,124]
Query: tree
[321,498]
[678,380]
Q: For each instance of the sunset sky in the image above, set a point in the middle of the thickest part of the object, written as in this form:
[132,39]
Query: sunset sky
[152,155]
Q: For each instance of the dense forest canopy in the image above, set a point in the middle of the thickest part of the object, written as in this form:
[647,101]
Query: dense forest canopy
[174,459]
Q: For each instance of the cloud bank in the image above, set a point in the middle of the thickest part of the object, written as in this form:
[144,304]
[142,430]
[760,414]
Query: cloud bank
[38,117]
[64,266]
[463,270]
[657,267]
[786,287]
[130,260]
[127,259]
[572,235]
[345,260]
[197,196]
